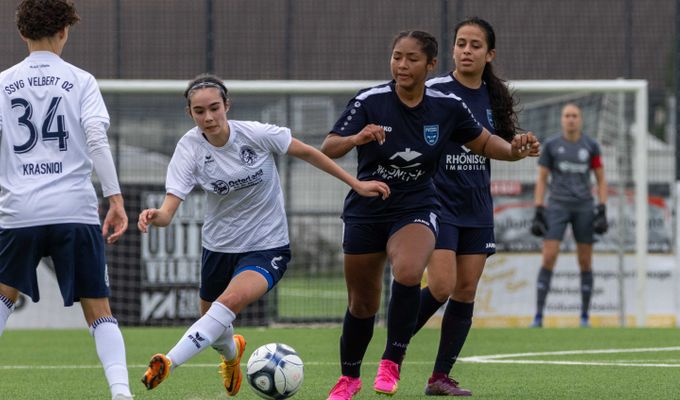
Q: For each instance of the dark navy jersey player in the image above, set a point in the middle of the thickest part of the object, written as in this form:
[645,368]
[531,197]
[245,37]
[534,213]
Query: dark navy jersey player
[407,160]
[400,130]
[463,181]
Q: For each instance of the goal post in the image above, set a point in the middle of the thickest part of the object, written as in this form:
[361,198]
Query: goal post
[147,120]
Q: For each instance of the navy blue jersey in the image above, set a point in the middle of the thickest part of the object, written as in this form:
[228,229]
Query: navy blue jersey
[414,140]
[463,180]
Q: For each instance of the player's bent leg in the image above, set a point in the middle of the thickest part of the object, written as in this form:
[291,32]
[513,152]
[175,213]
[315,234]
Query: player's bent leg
[408,250]
[231,369]
[441,279]
[109,344]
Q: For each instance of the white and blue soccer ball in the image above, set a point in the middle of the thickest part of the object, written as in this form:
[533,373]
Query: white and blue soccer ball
[275,371]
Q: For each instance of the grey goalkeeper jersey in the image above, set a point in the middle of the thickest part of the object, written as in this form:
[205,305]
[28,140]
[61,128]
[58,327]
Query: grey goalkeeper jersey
[570,164]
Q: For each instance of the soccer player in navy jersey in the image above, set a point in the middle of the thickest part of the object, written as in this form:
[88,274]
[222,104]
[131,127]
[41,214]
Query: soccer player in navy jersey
[463,182]
[245,234]
[569,158]
[400,130]
[53,124]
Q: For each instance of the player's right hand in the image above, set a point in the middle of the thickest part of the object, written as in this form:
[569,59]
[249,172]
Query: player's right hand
[145,218]
[539,226]
[372,189]
[370,133]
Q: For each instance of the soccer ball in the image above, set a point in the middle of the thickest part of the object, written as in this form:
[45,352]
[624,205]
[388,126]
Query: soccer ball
[275,371]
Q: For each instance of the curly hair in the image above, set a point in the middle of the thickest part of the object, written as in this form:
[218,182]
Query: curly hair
[37,19]
[503,102]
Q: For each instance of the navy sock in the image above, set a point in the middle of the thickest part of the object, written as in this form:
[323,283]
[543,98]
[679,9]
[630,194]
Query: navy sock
[542,289]
[455,327]
[428,306]
[586,292]
[401,320]
[356,335]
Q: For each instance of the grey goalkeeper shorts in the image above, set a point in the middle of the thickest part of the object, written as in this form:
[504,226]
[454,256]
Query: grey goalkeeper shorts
[558,216]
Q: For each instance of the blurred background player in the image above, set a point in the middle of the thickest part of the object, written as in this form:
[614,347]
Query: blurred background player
[568,159]
[53,123]
[245,234]
[400,130]
[463,182]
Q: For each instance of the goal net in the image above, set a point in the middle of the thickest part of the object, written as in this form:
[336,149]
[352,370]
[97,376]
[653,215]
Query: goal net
[155,276]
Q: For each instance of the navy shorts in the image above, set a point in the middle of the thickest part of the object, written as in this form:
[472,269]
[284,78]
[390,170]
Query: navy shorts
[464,240]
[218,269]
[363,238]
[581,220]
[77,252]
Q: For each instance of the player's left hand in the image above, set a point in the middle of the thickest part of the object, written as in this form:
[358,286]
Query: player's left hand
[116,220]
[372,189]
[600,224]
[525,145]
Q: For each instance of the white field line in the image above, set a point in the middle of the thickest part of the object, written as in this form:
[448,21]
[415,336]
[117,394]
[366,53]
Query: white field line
[512,358]
[489,359]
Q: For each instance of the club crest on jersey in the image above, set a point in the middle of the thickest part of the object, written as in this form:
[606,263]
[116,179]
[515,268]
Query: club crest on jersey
[247,155]
[431,134]
[220,187]
[489,117]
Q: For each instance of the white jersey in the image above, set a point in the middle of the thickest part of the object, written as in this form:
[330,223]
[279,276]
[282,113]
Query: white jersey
[244,209]
[45,168]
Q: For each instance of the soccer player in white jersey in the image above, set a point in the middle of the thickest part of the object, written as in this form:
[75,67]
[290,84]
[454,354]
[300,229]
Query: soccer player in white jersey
[245,232]
[53,124]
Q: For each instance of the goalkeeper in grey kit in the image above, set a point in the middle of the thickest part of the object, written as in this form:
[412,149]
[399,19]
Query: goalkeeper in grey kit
[568,158]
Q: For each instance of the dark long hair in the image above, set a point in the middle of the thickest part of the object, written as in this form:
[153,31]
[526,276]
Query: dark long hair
[502,102]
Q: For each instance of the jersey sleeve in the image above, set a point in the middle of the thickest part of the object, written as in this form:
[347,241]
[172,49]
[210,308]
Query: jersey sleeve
[596,158]
[466,128]
[276,138]
[180,179]
[352,120]
[546,159]
[93,108]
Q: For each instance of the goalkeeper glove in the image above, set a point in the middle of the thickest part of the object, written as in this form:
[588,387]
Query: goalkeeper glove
[600,225]
[539,226]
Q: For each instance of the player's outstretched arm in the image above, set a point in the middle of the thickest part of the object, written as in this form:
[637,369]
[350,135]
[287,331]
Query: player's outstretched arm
[335,146]
[492,146]
[116,219]
[159,216]
[321,161]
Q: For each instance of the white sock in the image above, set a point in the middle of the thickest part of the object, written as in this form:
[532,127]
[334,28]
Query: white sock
[6,308]
[111,351]
[225,344]
[201,334]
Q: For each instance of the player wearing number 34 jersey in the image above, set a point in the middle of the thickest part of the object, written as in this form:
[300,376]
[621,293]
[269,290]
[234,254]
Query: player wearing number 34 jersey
[53,124]
[51,116]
